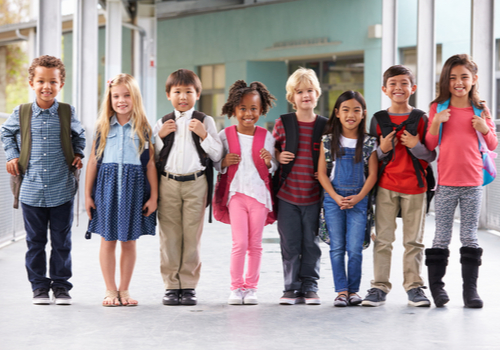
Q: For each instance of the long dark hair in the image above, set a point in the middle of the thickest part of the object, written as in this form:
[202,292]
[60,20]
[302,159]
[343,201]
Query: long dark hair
[444,81]
[334,126]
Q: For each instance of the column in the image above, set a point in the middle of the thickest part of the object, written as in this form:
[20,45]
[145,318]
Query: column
[426,54]
[49,28]
[113,38]
[389,43]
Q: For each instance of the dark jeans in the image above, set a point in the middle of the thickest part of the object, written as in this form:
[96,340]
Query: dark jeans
[298,229]
[36,221]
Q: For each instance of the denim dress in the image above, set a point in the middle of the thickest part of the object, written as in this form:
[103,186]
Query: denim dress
[347,227]
[121,189]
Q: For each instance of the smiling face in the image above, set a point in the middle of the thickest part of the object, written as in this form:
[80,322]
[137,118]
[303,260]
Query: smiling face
[461,81]
[46,83]
[248,112]
[121,101]
[305,97]
[350,114]
[183,98]
[399,88]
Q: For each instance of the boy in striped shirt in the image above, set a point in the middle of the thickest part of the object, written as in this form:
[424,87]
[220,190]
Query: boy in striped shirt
[299,194]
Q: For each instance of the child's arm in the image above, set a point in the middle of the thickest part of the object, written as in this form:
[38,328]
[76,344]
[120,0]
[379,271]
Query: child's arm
[350,201]
[268,153]
[90,177]
[9,131]
[208,133]
[485,125]
[152,203]
[222,164]
[78,140]
[324,180]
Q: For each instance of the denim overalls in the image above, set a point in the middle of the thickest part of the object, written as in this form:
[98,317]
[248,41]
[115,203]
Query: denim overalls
[346,227]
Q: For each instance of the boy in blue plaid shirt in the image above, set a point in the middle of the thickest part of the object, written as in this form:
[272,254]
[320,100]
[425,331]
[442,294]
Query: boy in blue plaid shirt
[48,185]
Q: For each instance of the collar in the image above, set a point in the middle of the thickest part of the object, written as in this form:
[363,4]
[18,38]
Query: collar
[114,121]
[187,114]
[37,110]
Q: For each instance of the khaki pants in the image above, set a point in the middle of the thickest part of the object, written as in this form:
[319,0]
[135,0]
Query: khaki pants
[181,210]
[413,207]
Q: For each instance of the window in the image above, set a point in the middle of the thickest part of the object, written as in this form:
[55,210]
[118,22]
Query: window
[336,75]
[213,80]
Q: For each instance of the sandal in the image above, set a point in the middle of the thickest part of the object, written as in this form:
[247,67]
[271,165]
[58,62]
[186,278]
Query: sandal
[111,298]
[340,300]
[125,298]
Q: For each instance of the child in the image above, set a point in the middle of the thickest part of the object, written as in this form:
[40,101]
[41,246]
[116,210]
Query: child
[460,174]
[352,154]
[122,202]
[299,194]
[401,187]
[191,140]
[49,152]
[247,195]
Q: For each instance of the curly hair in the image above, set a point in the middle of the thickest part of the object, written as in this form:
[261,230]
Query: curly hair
[47,62]
[240,89]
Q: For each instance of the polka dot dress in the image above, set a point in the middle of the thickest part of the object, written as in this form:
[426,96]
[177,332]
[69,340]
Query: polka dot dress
[118,214]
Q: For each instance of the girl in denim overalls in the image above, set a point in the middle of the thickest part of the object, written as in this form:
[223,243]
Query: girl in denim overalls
[350,155]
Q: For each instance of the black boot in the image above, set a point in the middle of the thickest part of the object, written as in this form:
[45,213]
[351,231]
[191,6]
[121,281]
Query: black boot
[471,260]
[436,261]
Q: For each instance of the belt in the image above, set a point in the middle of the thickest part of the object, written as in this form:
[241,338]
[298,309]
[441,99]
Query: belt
[184,178]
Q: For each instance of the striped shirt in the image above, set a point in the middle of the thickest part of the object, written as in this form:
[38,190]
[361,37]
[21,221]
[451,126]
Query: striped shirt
[47,181]
[300,187]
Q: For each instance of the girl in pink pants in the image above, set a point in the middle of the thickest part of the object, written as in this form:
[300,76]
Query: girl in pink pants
[243,193]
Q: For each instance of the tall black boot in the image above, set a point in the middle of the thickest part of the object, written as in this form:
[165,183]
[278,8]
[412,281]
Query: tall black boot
[471,260]
[436,260]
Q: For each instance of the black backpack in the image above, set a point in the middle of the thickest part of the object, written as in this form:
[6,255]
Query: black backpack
[383,119]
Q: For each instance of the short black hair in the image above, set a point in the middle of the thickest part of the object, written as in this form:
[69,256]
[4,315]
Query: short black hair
[398,70]
[183,77]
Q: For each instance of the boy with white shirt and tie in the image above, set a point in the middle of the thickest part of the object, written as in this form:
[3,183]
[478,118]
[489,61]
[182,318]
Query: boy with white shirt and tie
[186,143]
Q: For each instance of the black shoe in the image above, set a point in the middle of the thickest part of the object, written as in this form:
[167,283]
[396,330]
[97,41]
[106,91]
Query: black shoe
[61,296]
[41,296]
[188,297]
[171,297]
[471,260]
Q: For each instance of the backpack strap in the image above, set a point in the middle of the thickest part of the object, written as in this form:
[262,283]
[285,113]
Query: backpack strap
[168,141]
[64,112]
[259,141]
[25,112]
[291,126]
[319,128]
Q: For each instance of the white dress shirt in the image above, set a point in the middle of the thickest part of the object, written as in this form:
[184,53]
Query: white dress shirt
[183,157]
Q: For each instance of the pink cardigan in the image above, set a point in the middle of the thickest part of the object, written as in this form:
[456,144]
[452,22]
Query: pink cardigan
[459,162]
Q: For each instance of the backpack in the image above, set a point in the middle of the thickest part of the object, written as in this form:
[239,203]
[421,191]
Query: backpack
[291,127]
[221,192]
[489,167]
[368,147]
[144,164]
[205,160]
[383,119]
[25,114]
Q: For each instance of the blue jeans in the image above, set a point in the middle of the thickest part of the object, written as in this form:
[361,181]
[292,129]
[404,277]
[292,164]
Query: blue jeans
[36,221]
[346,227]
[347,233]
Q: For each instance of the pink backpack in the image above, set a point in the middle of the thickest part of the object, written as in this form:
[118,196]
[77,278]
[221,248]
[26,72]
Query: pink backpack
[223,184]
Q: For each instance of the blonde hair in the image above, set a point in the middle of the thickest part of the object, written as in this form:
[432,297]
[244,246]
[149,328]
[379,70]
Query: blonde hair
[301,76]
[140,124]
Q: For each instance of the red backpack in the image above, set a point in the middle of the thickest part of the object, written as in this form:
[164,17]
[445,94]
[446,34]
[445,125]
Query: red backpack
[223,184]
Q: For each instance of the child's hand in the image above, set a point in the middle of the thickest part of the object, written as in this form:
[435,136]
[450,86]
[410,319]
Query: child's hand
[285,157]
[338,199]
[89,204]
[386,142]
[198,128]
[350,201]
[409,140]
[479,124]
[77,162]
[441,117]
[149,207]
[266,155]
[13,166]
[168,127]
[230,159]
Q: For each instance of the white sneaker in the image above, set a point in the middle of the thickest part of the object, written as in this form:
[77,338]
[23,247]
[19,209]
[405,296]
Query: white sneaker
[250,297]
[236,297]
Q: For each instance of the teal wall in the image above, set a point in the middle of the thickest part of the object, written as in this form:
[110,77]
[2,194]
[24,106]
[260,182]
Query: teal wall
[241,40]
[68,60]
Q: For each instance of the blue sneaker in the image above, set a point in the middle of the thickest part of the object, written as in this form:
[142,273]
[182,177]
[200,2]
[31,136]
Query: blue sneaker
[416,297]
[375,297]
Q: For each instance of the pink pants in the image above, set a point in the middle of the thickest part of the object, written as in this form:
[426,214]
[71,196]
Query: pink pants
[248,217]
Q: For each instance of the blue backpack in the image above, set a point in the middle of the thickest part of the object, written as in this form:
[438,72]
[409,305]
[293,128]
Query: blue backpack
[489,167]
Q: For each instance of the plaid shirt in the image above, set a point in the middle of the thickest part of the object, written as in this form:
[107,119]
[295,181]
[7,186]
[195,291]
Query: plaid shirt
[47,181]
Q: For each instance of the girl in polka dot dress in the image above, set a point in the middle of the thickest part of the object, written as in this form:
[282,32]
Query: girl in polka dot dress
[121,186]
